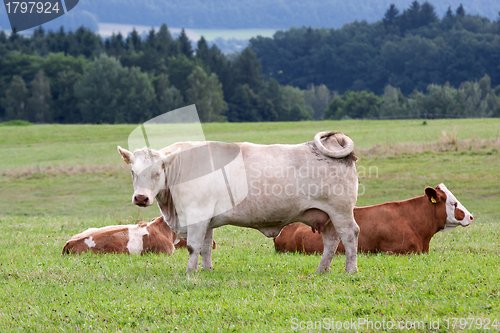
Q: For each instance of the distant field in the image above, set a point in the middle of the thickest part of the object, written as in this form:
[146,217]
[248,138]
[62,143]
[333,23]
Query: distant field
[58,180]
[53,145]
[107,29]
[212,34]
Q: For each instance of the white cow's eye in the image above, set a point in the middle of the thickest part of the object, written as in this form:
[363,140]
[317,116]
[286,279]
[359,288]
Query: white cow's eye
[157,175]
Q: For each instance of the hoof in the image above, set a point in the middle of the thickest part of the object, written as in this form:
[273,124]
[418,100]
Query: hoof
[352,270]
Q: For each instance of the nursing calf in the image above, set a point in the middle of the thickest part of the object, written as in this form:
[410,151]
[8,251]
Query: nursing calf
[155,236]
[395,227]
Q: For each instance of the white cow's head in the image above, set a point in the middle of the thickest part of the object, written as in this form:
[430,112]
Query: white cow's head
[148,169]
[448,206]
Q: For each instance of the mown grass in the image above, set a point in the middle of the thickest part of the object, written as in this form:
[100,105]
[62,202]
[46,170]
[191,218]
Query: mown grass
[252,288]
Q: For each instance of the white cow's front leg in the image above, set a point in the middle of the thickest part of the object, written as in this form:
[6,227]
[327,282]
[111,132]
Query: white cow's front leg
[331,241]
[206,250]
[195,237]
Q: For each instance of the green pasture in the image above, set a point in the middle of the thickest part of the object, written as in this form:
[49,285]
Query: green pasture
[58,180]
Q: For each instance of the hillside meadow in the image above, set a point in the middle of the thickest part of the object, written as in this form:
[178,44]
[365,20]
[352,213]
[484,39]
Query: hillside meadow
[58,180]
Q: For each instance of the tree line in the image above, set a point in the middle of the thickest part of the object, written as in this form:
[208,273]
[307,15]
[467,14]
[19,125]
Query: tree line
[76,77]
[410,64]
[471,99]
[409,50]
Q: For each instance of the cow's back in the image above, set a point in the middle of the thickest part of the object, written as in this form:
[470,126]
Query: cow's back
[388,228]
[160,237]
[112,239]
[383,228]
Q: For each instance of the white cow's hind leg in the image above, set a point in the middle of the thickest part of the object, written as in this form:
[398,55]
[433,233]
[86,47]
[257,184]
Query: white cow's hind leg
[331,241]
[348,231]
[206,250]
[195,238]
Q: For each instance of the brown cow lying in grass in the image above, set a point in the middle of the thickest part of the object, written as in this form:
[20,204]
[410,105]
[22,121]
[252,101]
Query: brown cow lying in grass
[155,236]
[395,227]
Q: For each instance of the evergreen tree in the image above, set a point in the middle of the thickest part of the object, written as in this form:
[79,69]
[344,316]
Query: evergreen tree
[427,14]
[151,40]
[165,45]
[185,45]
[448,19]
[220,65]
[460,11]
[247,70]
[116,46]
[168,97]
[39,32]
[15,101]
[179,68]
[202,52]
[413,15]
[137,98]
[449,14]
[40,102]
[66,108]
[266,110]
[390,16]
[134,41]
[241,106]
[274,94]
[3,37]
[497,22]
[84,42]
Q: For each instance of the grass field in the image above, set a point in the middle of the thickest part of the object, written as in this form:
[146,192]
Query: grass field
[56,181]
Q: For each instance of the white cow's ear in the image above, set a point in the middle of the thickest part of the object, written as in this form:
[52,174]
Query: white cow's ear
[431,194]
[169,158]
[127,156]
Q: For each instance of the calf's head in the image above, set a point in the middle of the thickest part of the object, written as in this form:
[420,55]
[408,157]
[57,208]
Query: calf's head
[148,169]
[448,207]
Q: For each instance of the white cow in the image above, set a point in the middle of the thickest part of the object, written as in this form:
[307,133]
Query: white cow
[200,186]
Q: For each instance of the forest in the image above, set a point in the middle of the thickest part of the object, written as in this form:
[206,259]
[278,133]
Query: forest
[410,64]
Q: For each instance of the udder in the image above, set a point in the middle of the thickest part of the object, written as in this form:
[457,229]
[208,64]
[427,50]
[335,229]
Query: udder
[315,218]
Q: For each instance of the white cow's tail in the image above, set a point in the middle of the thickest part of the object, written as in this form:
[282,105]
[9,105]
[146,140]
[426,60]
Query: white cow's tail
[340,147]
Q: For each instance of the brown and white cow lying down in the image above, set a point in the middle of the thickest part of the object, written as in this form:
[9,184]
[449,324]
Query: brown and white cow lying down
[394,227]
[155,236]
